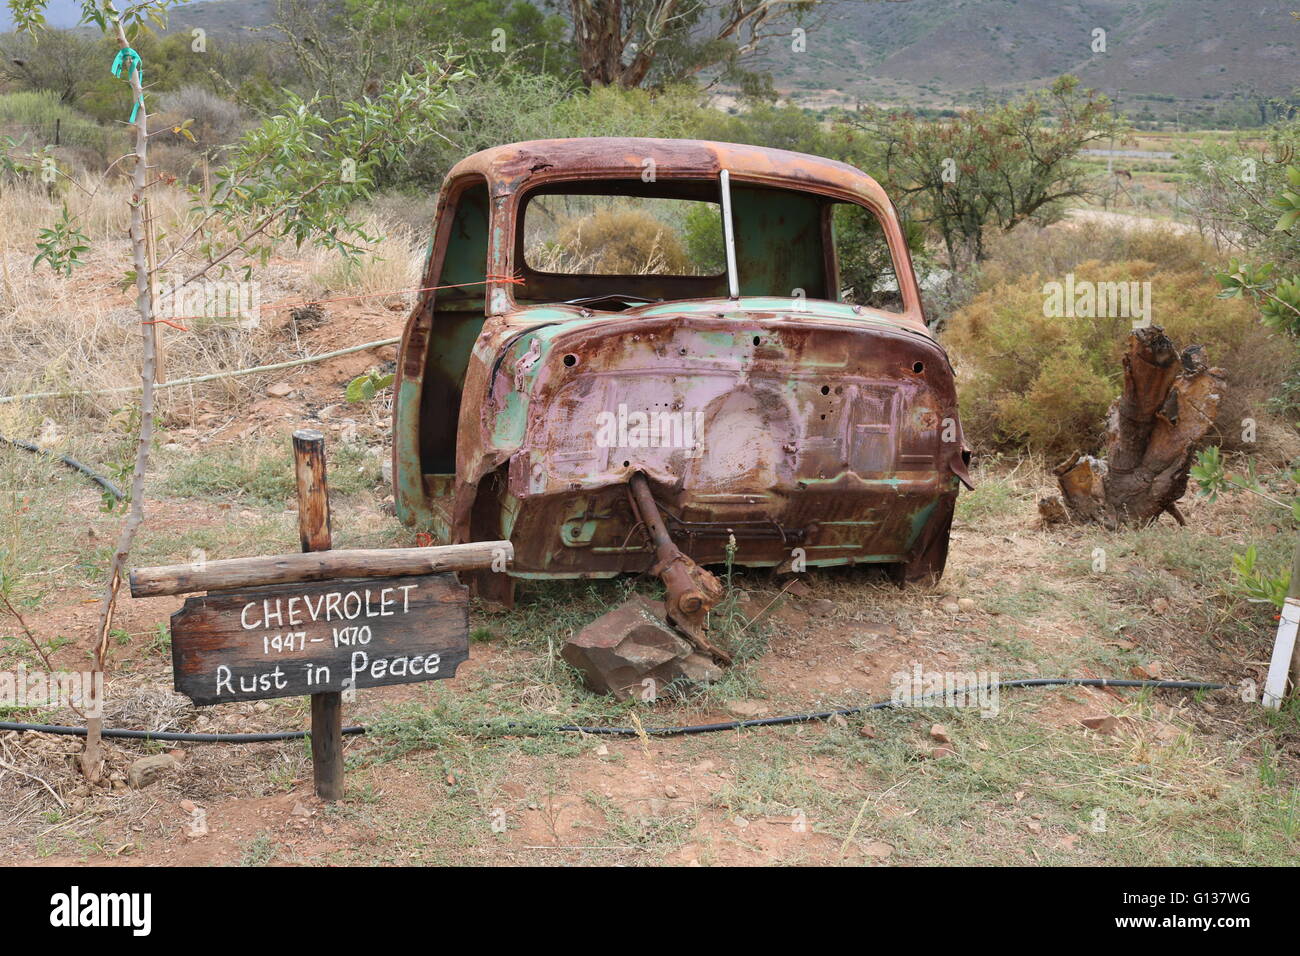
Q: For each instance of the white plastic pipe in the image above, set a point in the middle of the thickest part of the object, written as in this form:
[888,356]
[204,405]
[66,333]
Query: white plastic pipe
[1280,666]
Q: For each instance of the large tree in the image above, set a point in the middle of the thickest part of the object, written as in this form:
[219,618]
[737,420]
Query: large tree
[63,61]
[631,42]
[993,167]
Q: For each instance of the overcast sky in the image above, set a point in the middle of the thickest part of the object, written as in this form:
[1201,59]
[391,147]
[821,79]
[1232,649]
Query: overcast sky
[59,13]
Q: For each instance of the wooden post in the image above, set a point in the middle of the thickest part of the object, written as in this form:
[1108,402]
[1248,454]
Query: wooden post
[314,533]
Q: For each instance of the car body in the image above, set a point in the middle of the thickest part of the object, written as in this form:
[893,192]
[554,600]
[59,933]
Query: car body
[814,431]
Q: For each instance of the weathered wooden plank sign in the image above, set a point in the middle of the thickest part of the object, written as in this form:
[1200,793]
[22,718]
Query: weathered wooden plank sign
[291,640]
[320,623]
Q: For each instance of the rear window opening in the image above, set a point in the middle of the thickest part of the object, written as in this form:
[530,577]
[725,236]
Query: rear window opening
[867,272]
[584,234]
[612,245]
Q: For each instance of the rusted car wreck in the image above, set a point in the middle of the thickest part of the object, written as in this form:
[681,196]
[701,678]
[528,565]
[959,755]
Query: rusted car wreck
[613,398]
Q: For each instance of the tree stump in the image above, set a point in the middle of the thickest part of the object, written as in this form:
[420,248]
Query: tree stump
[1168,405]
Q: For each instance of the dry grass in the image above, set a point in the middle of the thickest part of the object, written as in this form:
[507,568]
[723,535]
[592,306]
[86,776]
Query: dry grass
[388,273]
[81,332]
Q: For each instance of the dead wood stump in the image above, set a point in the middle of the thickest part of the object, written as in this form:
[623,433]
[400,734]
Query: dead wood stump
[1168,405]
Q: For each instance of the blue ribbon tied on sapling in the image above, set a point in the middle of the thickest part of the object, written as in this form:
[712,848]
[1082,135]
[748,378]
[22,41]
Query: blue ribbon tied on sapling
[124,56]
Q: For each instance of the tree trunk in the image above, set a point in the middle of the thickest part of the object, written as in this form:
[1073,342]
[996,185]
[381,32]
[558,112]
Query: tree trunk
[1168,405]
[598,35]
[92,756]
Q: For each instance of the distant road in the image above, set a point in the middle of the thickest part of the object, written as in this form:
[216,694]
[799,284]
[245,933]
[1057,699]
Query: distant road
[1129,221]
[1129,153]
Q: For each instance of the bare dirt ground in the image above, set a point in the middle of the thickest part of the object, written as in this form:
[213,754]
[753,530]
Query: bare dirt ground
[1178,778]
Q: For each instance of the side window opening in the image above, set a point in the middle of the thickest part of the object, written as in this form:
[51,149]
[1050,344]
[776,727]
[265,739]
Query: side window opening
[868,275]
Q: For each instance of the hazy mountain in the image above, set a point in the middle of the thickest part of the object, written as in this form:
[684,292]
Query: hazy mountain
[1168,55]
[1170,51]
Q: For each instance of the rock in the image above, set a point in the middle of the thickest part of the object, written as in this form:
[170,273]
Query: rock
[797,587]
[951,607]
[965,604]
[820,607]
[746,708]
[148,770]
[1150,671]
[1103,725]
[866,730]
[940,733]
[279,390]
[1160,605]
[671,792]
[631,652]
[1166,733]
[938,753]
[878,851]
[700,669]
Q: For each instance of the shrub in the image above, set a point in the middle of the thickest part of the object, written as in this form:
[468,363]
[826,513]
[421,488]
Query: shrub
[620,242]
[1043,383]
[704,240]
[1055,250]
[216,121]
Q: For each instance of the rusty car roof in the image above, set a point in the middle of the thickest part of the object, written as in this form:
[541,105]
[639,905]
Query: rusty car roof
[512,166]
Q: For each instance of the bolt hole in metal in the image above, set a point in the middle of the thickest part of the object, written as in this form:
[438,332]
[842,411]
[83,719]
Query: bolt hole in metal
[570,360]
[918,367]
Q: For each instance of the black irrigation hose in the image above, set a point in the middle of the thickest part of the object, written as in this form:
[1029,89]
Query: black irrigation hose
[634,731]
[170,734]
[71,462]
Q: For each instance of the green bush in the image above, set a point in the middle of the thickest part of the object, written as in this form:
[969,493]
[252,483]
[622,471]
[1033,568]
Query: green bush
[1032,382]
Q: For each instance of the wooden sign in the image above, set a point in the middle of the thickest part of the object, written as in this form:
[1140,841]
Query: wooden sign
[290,640]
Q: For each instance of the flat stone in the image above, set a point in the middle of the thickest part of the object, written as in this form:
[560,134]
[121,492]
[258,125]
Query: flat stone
[1105,724]
[746,708]
[149,770]
[632,652]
